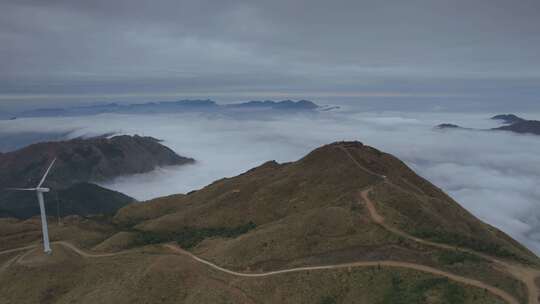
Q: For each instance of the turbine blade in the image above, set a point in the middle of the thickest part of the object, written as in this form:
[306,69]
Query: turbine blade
[46,173]
[21,189]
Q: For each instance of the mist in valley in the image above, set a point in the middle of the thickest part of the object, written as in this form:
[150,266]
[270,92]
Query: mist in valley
[494,175]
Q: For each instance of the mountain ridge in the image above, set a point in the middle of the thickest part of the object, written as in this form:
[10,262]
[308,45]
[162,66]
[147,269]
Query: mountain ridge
[79,161]
[87,159]
[187,105]
[346,222]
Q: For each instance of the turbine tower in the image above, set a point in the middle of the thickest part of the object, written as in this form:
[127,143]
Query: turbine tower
[39,191]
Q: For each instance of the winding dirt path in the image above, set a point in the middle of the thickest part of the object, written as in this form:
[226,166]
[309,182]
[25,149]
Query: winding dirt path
[175,249]
[17,249]
[498,292]
[8,263]
[90,254]
[525,274]
[522,273]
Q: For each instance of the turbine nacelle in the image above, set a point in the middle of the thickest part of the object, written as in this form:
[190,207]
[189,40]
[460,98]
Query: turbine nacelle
[43,189]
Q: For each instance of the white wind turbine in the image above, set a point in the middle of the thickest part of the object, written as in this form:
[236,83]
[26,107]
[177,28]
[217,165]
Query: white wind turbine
[40,190]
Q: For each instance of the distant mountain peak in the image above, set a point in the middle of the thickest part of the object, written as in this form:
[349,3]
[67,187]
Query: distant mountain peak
[448,126]
[517,124]
[512,123]
[522,127]
[507,118]
[277,105]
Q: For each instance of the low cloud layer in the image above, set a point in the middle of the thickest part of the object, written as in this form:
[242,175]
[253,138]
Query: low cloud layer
[495,175]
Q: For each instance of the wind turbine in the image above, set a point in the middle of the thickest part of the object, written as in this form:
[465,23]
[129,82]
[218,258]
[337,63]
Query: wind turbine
[39,191]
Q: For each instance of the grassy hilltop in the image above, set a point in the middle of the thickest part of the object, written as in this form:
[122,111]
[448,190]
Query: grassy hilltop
[307,213]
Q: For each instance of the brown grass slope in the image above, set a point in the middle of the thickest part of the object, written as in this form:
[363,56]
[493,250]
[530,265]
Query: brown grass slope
[305,213]
[312,202]
[413,204]
[153,276]
[263,195]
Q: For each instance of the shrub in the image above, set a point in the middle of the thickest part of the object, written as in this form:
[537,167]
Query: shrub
[465,241]
[454,294]
[190,237]
[455,257]
[399,293]
[328,300]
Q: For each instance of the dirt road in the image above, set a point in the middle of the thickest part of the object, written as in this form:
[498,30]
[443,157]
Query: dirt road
[522,273]
[500,293]
[17,249]
[525,274]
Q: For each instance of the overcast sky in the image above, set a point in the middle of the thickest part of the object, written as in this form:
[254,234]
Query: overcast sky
[67,51]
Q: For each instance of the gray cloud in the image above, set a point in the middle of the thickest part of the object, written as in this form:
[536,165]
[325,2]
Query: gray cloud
[124,47]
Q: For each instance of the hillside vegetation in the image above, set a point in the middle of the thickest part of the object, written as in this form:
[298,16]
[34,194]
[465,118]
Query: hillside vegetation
[260,237]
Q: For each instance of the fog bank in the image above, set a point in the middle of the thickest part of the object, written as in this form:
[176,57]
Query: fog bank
[492,174]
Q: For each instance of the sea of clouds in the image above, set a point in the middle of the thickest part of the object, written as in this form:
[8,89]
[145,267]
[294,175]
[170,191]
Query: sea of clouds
[494,175]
